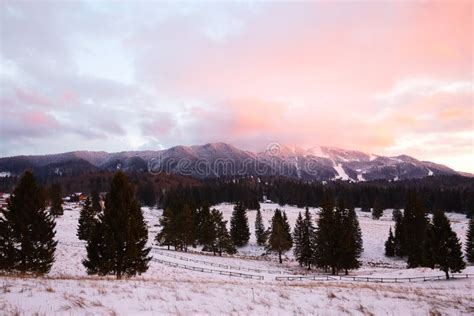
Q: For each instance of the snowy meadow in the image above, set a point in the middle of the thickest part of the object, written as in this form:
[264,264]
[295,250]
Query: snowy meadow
[190,283]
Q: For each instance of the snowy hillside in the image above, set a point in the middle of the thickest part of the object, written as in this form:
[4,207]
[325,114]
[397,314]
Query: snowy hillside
[170,288]
[218,159]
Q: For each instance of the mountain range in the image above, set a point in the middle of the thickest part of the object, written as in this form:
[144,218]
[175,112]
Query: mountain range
[221,159]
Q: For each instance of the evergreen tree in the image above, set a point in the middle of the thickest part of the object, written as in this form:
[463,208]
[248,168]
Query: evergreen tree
[87,221]
[147,194]
[429,259]
[396,213]
[308,240]
[279,240]
[390,244]
[56,200]
[287,228]
[239,226]
[415,224]
[95,199]
[223,241]
[364,203]
[327,235]
[298,239]
[27,230]
[260,233]
[349,240]
[447,252]
[377,209]
[399,241]
[470,241]
[118,242]
[205,227]
[186,228]
[167,235]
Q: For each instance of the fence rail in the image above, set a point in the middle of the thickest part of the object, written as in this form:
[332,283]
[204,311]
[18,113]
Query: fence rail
[214,264]
[207,270]
[373,279]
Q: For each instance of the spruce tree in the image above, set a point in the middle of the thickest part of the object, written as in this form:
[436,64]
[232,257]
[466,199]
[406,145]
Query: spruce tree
[167,235]
[55,196]
[118,242]
[205,227]
[377,209]
[279,240]
[415,224]
[287,227]
[447,252]
[470,241]
[399,240]
[349,239]
[239,226]
[308,240]
[298,239]
[186,228]
[95,200]
[223,241]
[327,235]
[390,244]
[87,221]
[146,194]
[260,233]
[27,230]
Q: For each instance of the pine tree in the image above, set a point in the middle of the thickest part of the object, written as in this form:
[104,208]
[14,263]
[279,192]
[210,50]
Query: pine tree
[447,252]
[327,235]
[27,230]
[167,235]
[415,224]
[390,244]
[87,221]
[309,240]
[205,227]
[146,194]
[377,209]
[470,241]
[298,240]
[260,234]
[118,242]
[287,228]
[95,199]
[279,240]
[56,200]
[349,239]
[239,226]
[399,241]
[396,213]
[223,241]
[186,228]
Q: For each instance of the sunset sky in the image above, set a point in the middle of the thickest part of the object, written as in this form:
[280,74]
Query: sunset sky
[388,77]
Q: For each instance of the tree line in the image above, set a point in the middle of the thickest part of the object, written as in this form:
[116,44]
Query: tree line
[116,234]
[450,193]
[427,243]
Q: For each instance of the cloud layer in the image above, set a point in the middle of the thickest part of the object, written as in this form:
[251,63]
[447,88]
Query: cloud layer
[388,78]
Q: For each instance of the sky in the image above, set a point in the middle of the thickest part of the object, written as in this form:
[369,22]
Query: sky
[382,77]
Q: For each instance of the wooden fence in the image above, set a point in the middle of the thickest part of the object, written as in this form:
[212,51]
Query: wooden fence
[207,270]
[373,279]
[214,264]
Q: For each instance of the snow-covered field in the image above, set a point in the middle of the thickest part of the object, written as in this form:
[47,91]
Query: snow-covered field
[164,289]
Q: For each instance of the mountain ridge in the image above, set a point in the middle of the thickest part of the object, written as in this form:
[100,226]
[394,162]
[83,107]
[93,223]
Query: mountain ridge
[320,163]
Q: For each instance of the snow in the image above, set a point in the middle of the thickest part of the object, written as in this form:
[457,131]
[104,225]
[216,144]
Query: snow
[164,289]
[341,172]
[430,173]
[4,174]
